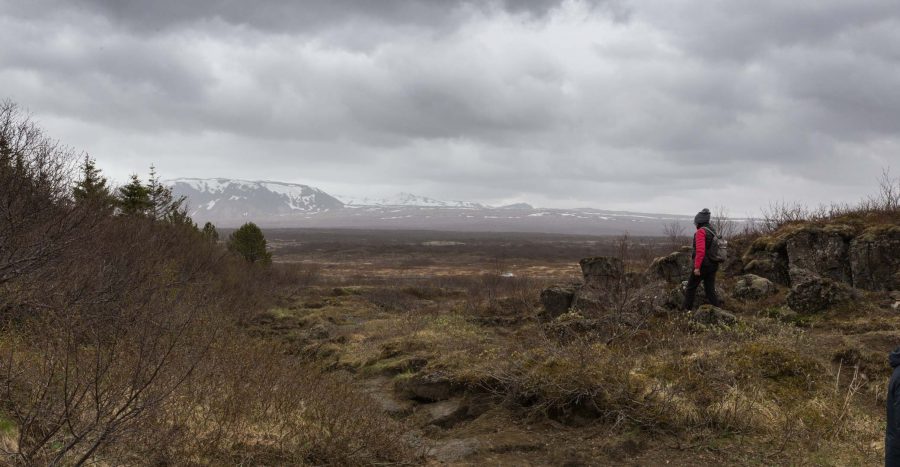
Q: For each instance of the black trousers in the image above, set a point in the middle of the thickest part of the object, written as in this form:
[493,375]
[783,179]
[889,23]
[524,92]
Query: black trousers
[708,276]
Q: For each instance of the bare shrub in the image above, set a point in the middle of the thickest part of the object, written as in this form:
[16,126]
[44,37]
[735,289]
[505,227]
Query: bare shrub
[676,233]
[724,226]
[887,196]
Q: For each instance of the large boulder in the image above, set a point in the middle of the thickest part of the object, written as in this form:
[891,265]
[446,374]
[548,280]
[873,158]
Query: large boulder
[672,268]
[812,293]
[822,250]
[875,258]
[753,287]
[557,300]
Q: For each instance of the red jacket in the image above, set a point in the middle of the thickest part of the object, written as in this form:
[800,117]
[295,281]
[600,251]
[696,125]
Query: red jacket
[699,247]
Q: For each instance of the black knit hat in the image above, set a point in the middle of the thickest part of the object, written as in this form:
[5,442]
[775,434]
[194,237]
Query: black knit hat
[702,217]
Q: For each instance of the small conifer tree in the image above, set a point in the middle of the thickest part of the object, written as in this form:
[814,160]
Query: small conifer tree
[134,198]
[92,187]
[249,242]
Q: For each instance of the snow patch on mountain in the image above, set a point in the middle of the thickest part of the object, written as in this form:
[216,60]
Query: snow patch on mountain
[405,200]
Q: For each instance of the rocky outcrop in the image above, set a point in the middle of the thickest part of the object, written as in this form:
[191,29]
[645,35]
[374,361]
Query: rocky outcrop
[672,268]
[557,300]
[604,280]
[712,316]
[602,271]
[812,293]
[868,260]
[822,250]
[874,258]
[753,287]
[768,258]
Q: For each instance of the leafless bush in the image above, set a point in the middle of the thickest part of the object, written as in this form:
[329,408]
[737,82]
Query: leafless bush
[676,233]
[887,195]
[724,226]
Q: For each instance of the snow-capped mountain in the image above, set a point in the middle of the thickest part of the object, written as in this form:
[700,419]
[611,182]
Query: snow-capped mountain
[221,199]
[229,203]
[405,200]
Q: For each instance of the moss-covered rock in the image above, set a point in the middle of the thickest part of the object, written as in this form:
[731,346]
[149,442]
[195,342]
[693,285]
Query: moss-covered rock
[811,293]
[753,287]
[672,268]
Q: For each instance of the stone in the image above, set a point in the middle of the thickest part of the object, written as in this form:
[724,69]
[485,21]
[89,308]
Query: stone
[602,271]
[812,293]
[557,300]
[753,287]
[604,282]
[672,268]
[875,258]
[713,316]
[824,251]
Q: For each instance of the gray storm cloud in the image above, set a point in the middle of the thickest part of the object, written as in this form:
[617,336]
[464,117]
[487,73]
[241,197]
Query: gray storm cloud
[654,105]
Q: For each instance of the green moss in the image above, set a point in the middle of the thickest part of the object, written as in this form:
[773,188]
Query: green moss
[280,313]
[7,426]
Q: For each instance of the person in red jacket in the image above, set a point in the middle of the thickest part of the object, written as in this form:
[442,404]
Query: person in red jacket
[704,269]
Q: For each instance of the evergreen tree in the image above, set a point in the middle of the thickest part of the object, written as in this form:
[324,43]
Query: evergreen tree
[164,205]
[134,198]
[210,232]
[249,242]
[92,186]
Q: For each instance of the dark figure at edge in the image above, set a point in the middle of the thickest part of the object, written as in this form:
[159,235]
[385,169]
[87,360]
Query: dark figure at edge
[892,434]
[704,268]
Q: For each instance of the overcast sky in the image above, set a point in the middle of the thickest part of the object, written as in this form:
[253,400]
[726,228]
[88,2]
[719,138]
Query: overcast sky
[651,105]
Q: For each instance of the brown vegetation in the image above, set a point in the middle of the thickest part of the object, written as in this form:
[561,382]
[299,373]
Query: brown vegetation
[123,340]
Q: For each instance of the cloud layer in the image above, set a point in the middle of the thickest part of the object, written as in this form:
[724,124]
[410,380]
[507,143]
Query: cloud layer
[658,105]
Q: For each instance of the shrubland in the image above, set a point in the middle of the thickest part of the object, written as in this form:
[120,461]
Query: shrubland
[123,333]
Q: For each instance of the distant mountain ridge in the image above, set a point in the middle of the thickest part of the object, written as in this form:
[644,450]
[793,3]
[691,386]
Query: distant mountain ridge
[222,199]
[230,203]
